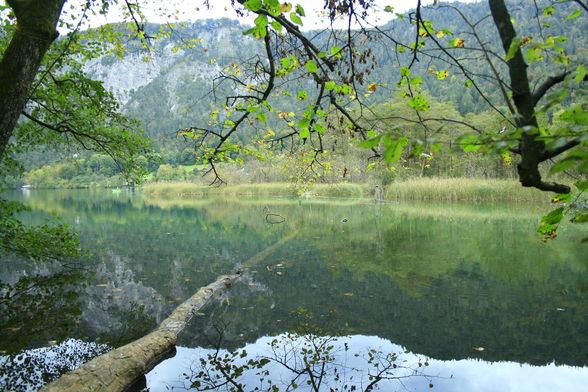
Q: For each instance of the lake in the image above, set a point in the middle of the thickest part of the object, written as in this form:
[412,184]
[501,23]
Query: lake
[468,289]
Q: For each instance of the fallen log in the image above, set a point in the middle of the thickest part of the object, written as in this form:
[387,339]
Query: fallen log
[120,368]
[125,367]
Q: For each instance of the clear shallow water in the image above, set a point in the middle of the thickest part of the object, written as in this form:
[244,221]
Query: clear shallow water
[437,279]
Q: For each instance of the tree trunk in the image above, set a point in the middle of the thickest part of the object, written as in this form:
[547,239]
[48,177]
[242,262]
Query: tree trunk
[34,33]
[532,150]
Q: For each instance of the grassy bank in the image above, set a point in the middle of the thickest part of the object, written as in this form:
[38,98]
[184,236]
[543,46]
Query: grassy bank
[460,189]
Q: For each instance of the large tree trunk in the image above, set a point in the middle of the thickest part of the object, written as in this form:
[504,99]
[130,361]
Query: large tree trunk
[532,151]
[35,31]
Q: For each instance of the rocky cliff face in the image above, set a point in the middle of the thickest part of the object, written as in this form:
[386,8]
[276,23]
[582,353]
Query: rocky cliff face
[195,53]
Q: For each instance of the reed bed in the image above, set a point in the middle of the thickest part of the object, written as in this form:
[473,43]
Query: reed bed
[442,189]
[463,189]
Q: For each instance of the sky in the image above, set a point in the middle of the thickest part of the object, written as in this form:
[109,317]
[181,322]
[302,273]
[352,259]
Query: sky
[162,11]
[190,10]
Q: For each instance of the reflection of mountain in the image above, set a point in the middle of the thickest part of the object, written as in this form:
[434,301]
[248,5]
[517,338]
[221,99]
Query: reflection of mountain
[119,294]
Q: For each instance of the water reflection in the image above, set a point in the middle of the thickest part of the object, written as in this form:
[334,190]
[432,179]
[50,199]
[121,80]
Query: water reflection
[445,376]
[439,279]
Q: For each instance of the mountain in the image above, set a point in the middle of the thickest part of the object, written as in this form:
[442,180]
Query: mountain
[174,84]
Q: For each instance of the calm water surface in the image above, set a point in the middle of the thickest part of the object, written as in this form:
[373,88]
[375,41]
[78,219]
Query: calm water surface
[468,286]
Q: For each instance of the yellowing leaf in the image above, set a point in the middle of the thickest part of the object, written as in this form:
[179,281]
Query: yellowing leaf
[442,75]
[285,7]
[457,43]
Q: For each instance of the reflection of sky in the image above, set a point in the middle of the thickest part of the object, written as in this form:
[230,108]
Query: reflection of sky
[462,375]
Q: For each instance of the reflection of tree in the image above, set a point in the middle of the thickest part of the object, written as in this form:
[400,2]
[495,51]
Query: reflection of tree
[305,359]
[462,308]
[46,296]
[423,278]
[34,368]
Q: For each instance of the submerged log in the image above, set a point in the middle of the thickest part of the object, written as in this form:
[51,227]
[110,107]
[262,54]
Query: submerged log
[120,368]
[123,368]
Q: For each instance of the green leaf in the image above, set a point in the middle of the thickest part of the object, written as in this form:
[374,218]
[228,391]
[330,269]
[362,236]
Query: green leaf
[300,10]
[582,185]
[554,217]
[580,74]
[515,45]
[319,128]
[330,85]
[580,218]
[575,115]
[575,14]
[419,103]
[548,11]
[257,32]
[370,143]
[337,51]
[404,71]
[295,18]
[304,123]
[276,25]
[261,21]
[534,54]
[562,59]
[564,164]
[262,117]
[304,133]
[253,5]
[417,80]
[394,149]
[301,95]
[470,143]
[311,66]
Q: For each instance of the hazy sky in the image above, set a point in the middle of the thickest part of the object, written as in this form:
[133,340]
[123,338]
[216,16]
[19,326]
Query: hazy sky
[182,10]
[161,11]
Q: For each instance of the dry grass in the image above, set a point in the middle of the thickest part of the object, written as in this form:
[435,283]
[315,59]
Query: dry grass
[442,189]
[264,189]
[458,189]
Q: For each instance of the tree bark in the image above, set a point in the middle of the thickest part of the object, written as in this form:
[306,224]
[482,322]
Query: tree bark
[34,33]
[531,150]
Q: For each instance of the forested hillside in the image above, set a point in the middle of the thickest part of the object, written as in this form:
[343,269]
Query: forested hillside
[182,80]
